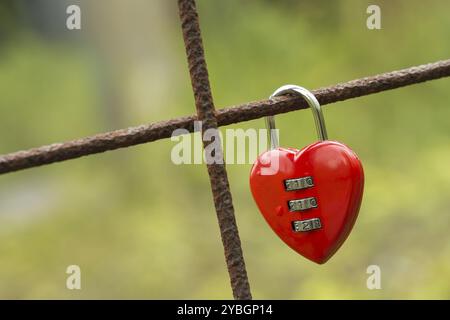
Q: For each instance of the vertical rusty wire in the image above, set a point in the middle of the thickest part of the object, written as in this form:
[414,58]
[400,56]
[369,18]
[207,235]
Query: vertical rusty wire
[217,172]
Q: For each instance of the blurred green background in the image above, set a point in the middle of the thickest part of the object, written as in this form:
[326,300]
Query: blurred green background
[140,226]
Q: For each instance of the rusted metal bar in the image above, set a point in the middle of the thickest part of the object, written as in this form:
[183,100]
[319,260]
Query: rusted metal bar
[253,110]
[217,172]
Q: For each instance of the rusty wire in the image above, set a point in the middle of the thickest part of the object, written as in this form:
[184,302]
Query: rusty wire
[249,111]
[217,172]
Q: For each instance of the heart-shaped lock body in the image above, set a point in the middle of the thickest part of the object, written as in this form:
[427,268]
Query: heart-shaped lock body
[309,197]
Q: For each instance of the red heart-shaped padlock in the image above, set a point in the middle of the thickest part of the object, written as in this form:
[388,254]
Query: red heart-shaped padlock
[309,197]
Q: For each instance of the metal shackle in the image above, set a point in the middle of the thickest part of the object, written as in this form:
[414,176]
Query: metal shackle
[272,134]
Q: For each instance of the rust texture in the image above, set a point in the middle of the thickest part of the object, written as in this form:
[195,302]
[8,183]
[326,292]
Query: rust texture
[217,172]
[245,112]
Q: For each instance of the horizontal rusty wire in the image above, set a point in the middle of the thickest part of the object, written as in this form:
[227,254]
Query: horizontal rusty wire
[244,112]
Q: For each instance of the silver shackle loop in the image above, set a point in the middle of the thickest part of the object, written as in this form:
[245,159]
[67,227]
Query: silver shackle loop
[272,134]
